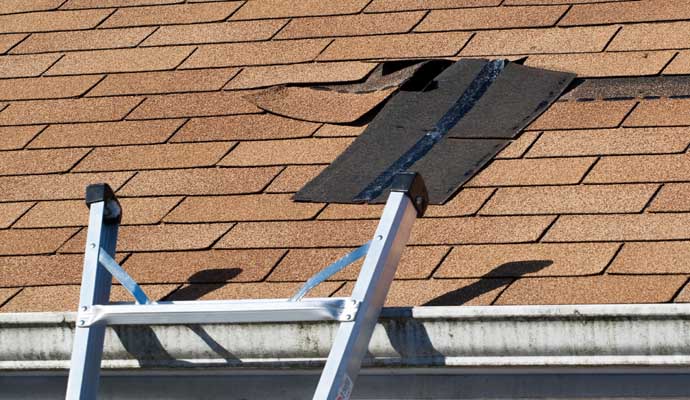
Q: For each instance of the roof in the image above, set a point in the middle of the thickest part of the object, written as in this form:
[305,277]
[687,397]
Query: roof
[589,205]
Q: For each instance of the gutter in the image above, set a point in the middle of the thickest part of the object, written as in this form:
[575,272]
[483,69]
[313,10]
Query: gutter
[574,336]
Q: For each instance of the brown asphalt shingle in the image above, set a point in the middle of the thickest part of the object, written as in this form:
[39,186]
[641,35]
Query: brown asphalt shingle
[444,44]
[66,298]
[590,204]
[52,21]
[220,32]
[584,114]
[140,211]
[26,65]
[501,261]
[255,53]
[671,35]
[278,8]
[543,171]
[350,25]
[18,6]
[327,106]
[293,177]
[121,60]
[172,14]
[660,113]
[301,264]
[671,198]
[157,237]
[605,64]
[46,87]
[536,41]
[39,161]
[595,228]
[243,127]
[281,152]
[199,181]
[10,212]
[603,289]
[55,186]
[106,133]
[153,157]
[163,82]
[653,258]
[69,110]
[680,64]
[209,266]
[641,11]
[82,40]
[252,77]
[611,142]
[590,199]
[399,5]
[33,241]
[262,207]
[9,41]
[490,18]
[193,105]
[16,137]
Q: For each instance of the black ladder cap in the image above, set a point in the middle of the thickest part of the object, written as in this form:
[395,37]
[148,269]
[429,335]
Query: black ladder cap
[98,192]
[413,185]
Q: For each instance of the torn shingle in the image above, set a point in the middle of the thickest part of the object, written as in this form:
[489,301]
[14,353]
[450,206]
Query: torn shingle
[318,105]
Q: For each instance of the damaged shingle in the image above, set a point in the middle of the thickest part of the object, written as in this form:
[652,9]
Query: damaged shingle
[445,122]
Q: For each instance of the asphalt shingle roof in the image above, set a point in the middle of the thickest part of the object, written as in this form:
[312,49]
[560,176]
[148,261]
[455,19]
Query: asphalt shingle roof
[589,205]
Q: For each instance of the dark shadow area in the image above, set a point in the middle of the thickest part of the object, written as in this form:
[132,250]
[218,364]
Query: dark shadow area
[205,282]
[216,347]
[572,86]
[141,342]
[410,338]
[494,279]
[411,341]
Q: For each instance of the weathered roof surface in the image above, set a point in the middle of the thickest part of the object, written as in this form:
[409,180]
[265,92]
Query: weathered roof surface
[589,205]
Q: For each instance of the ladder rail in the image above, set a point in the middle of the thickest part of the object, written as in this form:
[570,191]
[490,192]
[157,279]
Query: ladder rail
[87,348]
[352,338]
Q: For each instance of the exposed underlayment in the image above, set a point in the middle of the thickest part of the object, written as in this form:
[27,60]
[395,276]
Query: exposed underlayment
[478,101]
[588,205]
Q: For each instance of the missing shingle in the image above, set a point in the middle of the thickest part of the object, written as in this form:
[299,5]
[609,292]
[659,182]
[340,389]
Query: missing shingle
[407,75]
[446,123]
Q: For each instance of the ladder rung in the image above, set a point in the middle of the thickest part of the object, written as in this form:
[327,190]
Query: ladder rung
[219,311]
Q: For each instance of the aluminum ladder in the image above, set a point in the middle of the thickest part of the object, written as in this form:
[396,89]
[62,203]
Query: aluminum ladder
[357,314]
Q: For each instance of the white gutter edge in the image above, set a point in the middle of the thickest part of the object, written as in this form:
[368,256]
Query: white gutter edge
[636,336]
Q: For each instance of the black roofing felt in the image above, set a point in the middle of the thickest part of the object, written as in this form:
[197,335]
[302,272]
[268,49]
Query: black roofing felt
[446,129]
